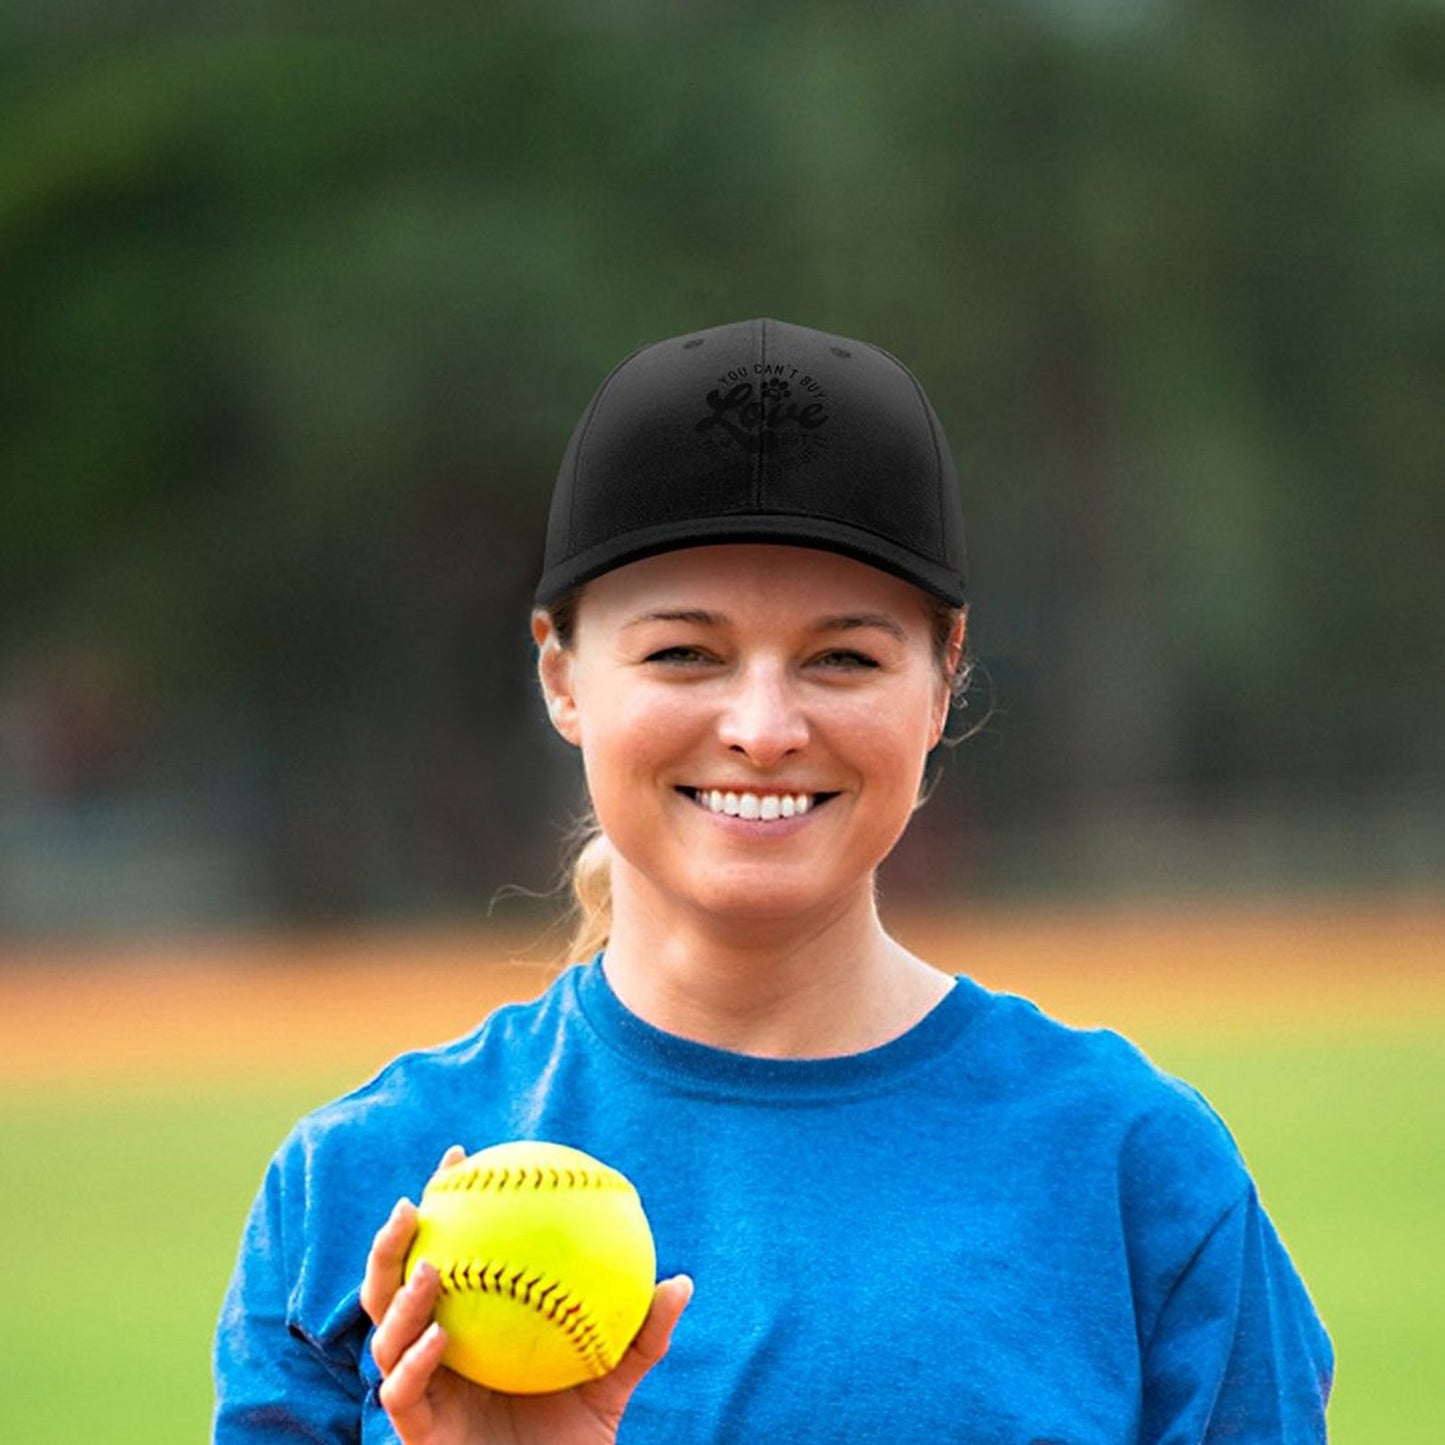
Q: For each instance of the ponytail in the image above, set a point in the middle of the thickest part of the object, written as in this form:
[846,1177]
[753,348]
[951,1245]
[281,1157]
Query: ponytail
[591,880]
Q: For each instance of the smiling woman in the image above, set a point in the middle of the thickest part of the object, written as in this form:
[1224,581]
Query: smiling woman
[754,721]
[914,1209]
[555,628]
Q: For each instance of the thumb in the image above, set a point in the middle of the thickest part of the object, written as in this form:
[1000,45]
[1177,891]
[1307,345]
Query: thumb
[669,1300]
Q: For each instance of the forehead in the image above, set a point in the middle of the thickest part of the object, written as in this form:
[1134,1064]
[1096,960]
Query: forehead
[745,580]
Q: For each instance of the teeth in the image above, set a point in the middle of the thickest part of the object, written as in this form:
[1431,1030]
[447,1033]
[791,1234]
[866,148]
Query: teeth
[764,807]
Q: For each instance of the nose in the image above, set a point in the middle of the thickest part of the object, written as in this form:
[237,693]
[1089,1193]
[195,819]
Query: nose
[762,719]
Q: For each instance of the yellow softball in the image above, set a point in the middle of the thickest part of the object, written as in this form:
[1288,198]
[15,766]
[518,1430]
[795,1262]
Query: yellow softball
[547,1265]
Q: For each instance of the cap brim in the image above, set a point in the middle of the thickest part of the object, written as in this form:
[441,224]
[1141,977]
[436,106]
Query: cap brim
[939,579]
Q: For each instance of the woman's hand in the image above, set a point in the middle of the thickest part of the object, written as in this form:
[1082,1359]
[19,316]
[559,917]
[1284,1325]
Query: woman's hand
[432,1405]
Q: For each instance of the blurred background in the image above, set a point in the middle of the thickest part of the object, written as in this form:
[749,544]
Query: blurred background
[299,307]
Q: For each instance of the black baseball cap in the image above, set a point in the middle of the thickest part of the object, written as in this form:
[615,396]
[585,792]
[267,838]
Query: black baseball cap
[758,431]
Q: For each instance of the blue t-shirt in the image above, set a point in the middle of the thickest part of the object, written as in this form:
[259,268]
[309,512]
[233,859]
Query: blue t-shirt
[994,1229]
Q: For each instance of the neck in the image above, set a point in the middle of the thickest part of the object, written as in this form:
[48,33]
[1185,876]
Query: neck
[830,984]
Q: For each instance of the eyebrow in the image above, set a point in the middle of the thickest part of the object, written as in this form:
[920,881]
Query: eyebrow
[851,622]
[681,614]
[845,622]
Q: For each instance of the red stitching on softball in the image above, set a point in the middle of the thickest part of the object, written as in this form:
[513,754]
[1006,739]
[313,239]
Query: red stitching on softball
[562,1310]
[457,1179]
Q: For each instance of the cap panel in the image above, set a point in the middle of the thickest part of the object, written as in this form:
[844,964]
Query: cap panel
[872,462]
[640,461]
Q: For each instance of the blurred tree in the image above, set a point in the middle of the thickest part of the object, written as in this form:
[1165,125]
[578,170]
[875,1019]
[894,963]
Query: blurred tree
[297,323]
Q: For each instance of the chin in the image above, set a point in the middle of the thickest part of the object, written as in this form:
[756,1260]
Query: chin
[761,902]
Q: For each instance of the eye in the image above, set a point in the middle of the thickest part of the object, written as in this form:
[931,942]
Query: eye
[847,659]
[678,656]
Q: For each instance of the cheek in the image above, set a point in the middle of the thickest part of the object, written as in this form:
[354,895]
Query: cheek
[630,720]
[628,737]
[892,733]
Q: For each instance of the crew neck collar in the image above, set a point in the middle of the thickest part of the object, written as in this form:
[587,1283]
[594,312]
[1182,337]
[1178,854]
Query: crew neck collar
[702,1068]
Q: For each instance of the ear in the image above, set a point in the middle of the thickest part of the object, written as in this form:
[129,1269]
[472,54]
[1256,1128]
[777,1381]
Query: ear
[952,660]
[554,672]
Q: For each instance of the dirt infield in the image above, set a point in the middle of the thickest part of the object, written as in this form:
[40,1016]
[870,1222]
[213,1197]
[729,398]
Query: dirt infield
[219,1006]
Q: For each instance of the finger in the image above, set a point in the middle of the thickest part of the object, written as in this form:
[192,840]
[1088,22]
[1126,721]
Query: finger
[406,1386]
[387,1258]
[668,1302]
[406,1318]
[454,1155]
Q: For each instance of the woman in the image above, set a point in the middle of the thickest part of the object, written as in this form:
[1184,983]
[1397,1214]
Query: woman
[892,1205]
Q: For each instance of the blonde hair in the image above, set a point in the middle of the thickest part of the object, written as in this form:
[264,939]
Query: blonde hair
[590,876]
[589,873]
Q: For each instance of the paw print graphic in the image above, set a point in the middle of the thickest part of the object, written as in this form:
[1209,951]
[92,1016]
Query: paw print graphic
[775,389]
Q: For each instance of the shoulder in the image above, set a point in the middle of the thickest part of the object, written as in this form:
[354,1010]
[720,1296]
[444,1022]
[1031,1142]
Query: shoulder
[448,1085]
[1148,1168]
[342,1167]
[364,1150]
[1101,1090]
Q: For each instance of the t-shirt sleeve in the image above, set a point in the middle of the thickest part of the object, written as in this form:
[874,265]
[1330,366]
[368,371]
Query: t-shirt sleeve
[277,1380]
[1237,1353]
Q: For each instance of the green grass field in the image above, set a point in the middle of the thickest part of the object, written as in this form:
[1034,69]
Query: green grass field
[1346,1139]
[121,1208]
